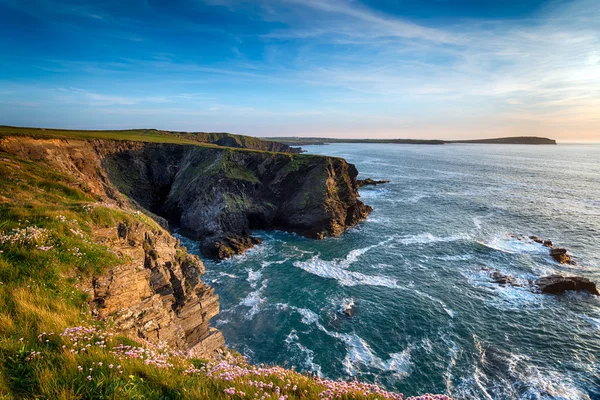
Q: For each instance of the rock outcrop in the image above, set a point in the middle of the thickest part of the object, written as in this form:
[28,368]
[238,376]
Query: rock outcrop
[157,294]
[369,182]
[558,284]
[218,196]
[557,253]
[214,195]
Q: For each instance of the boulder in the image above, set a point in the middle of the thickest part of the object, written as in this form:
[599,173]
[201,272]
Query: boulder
[560,255]
[503,279]
[558,284]
[369,182]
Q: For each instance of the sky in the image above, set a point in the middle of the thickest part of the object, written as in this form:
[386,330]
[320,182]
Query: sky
[435,69]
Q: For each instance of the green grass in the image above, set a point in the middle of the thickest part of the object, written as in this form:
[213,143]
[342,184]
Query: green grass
[143,135]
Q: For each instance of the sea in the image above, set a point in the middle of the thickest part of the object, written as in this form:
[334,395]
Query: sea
[426,315]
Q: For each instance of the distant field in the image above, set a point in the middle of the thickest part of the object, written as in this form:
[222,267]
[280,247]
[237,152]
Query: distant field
[144,135]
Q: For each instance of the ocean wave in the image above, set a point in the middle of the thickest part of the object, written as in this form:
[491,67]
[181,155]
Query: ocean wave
[504,375]
[307,355]
[445,307]
[358,352]
[254,300]
[509,244]
[228,275]
[335,270]
[462,257]
[595,322]
[253,276]
[428,238]
[415,198]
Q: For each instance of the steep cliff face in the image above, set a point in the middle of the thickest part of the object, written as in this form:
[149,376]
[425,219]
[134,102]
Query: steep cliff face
[236,141]
[157,293]
[219,195]
[216,195]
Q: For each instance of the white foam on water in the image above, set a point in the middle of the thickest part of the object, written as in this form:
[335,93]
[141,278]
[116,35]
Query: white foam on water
[428,238]
[462,257]
[232,276]
[595,322]
[448,310]
[336,270]
[477,222]
[253,276]
[265,264]
[254,300]
[543,383]
[358,352]
[221,322]
[412,199]
[509,244]
[292,340]
[373,193]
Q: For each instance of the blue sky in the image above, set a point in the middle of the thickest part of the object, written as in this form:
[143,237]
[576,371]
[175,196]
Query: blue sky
[338,68]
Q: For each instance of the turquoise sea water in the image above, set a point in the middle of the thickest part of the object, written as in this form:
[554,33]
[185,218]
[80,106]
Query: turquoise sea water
[427,317]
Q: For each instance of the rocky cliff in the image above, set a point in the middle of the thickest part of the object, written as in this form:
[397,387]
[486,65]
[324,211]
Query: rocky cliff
[216,195]
[219,195]
[236,141]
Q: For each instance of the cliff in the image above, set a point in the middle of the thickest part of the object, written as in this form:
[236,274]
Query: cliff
[221,139]
[232,140]
[86,274]
[216,195]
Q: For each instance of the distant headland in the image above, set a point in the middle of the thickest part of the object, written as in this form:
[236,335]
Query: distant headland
[307,141]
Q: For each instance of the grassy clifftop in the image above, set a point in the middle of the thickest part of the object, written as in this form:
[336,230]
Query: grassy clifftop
[155,136]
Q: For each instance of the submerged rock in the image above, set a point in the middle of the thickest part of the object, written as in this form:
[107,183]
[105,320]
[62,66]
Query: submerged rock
[558,284]
[500,278]
[369,182]
[349,310]
[559,254]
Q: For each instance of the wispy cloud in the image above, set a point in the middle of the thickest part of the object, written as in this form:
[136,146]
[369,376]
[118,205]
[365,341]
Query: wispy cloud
[338,66]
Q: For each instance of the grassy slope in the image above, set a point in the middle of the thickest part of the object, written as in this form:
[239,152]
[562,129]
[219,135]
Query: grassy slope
[143,135]
[46,251]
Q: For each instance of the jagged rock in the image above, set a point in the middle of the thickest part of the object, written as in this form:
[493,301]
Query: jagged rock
[158,294]
[560,255]
[211,194]
[557,284]
[369,182]
[501,278]
[536,239]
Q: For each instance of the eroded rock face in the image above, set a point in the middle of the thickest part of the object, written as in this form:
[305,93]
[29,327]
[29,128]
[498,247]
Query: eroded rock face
[217,196]
[158,295]
[214,195]
[558,284]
